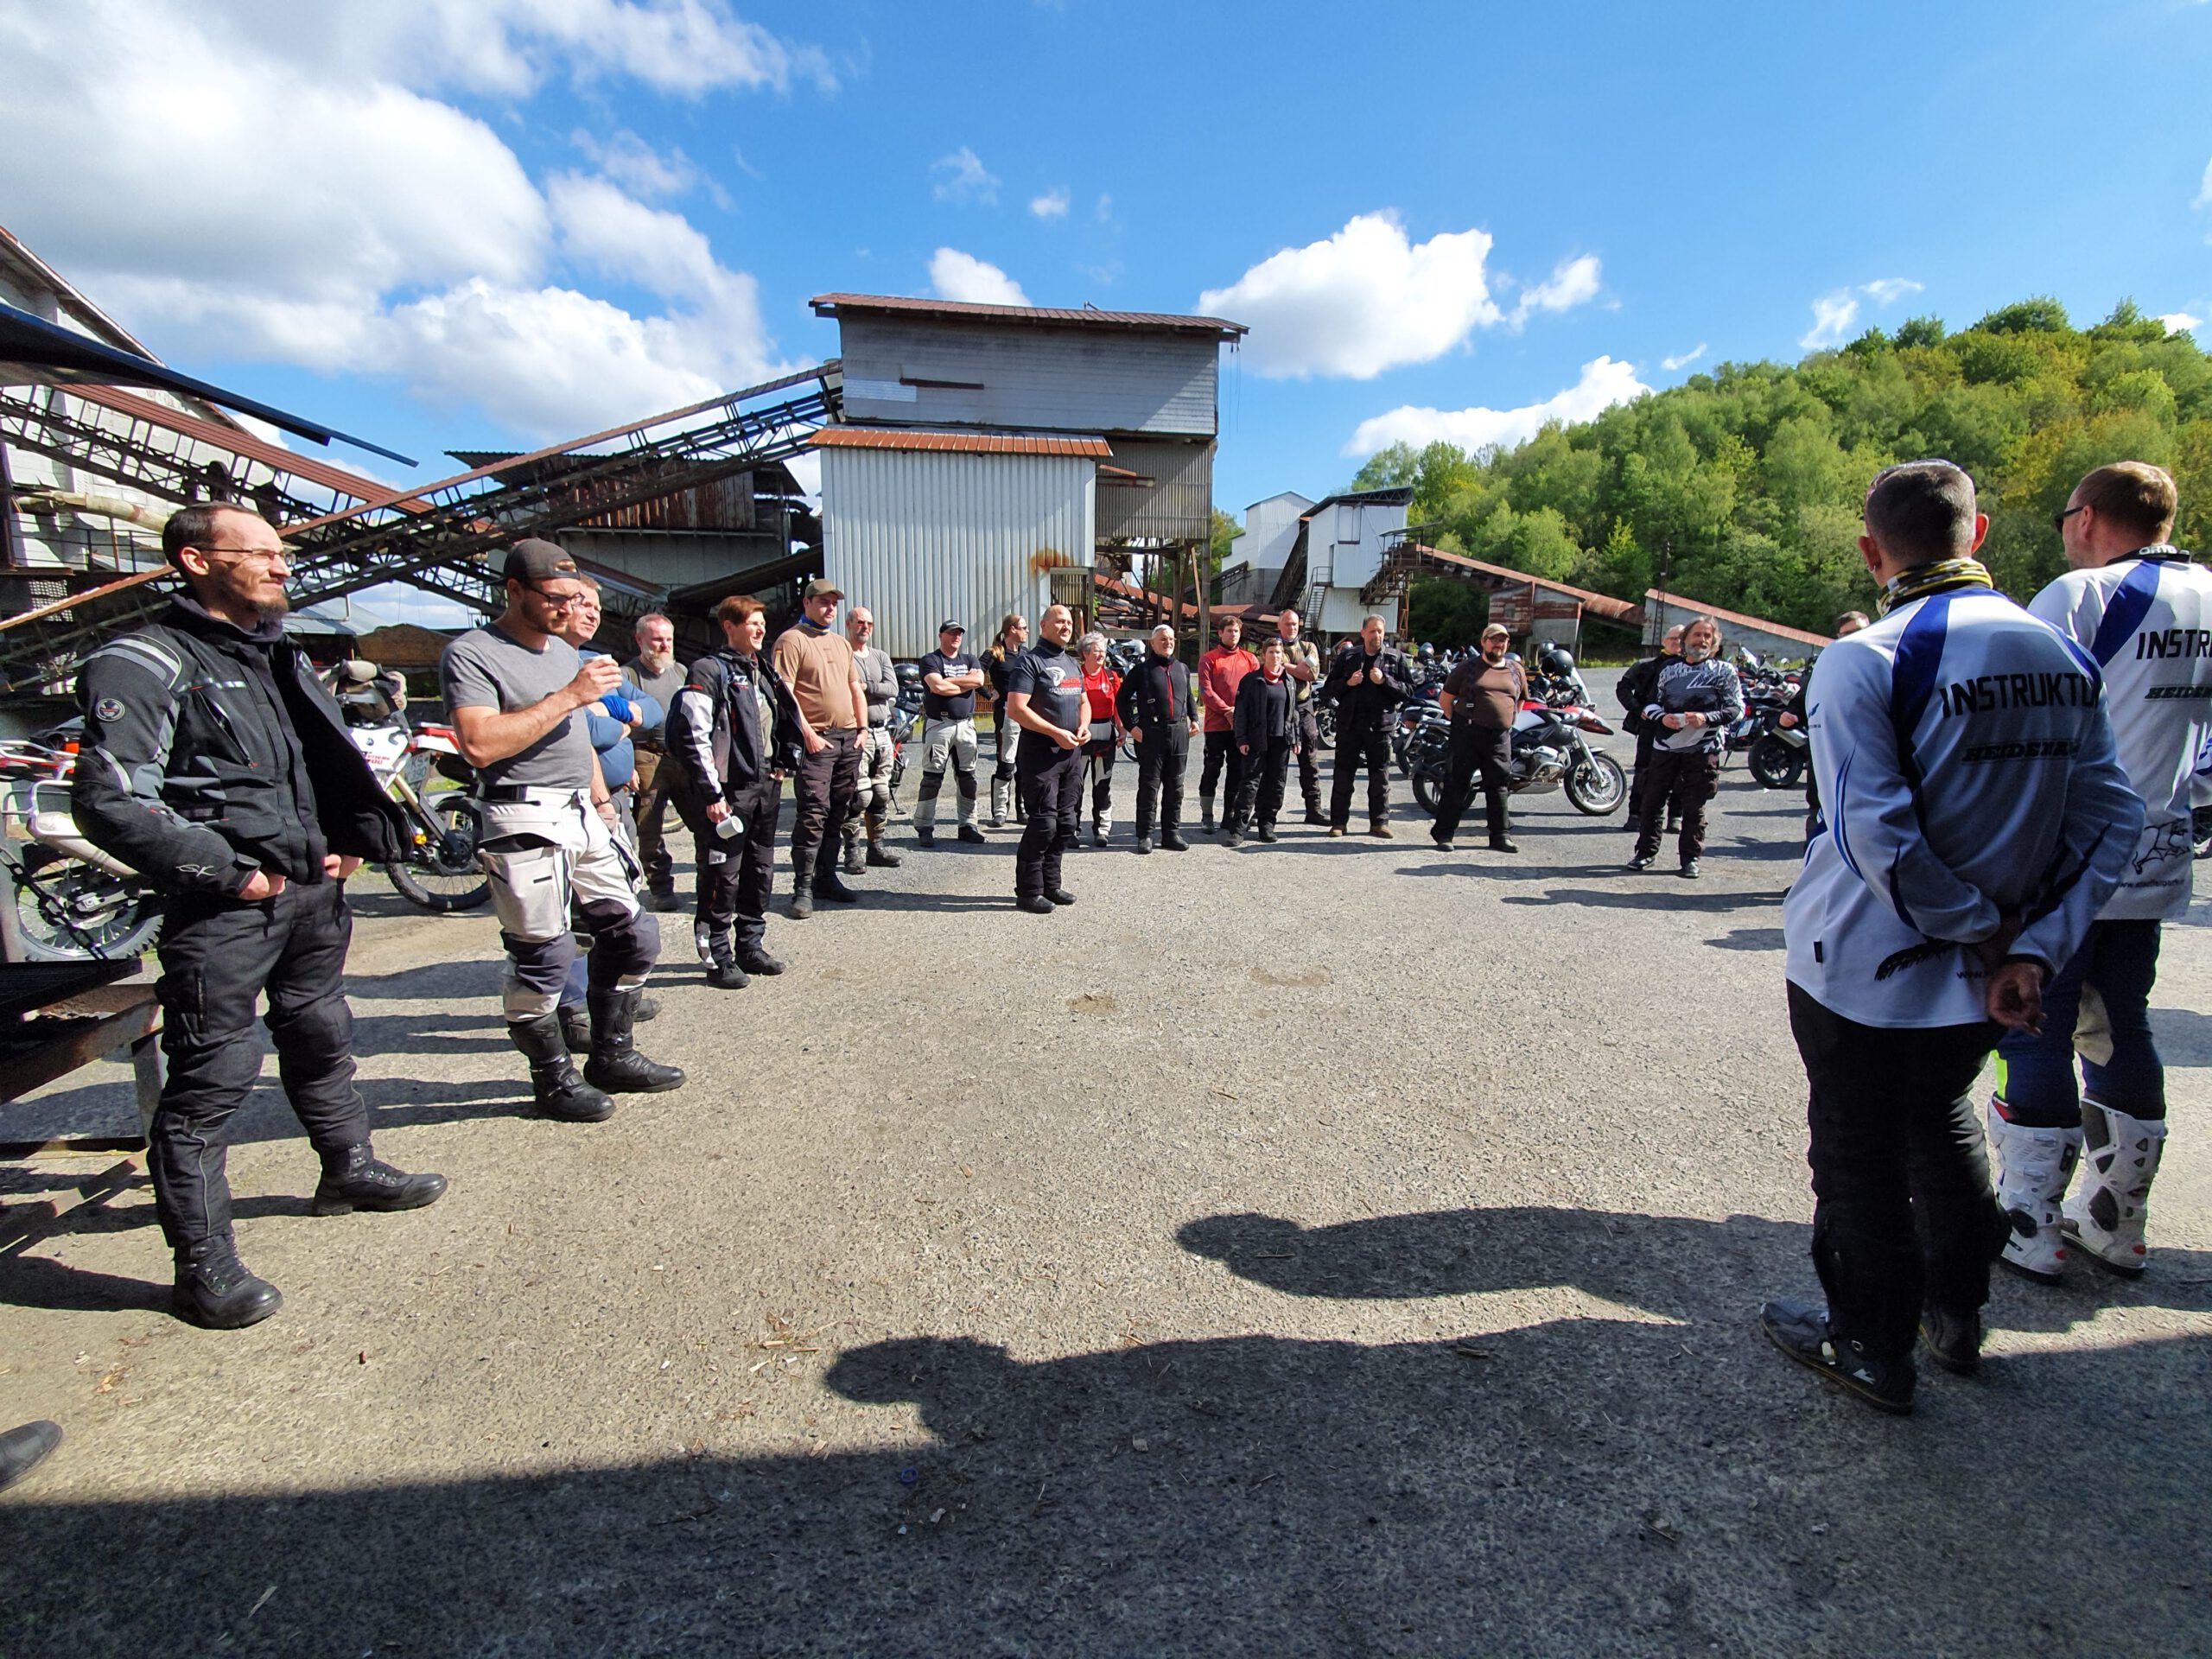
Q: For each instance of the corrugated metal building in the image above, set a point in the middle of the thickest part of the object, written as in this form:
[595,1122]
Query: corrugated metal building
[984,447]
[922,526]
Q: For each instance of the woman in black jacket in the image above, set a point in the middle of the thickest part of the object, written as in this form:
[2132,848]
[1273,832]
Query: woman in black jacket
[1264,728]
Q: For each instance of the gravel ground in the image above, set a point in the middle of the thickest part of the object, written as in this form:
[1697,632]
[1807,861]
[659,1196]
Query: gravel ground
[1335,1248]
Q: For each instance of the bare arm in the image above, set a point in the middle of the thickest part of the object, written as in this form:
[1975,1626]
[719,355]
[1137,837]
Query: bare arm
[485,736]
[1018,709]
[859,700]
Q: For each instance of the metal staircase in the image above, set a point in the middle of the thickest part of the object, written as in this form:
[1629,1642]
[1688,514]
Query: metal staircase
[434,537]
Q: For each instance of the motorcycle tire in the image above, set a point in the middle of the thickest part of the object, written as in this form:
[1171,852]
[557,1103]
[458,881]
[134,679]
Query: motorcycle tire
[1774,763]
[1428,788]
[1324,726]
[442,875]
[1597,786]
[69,910]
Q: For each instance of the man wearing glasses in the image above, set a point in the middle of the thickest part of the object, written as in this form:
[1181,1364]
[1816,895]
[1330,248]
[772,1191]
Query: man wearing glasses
[215,764]
[514,689]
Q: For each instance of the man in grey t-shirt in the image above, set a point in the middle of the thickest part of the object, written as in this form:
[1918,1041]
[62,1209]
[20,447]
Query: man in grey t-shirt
[515,691]
[656,672]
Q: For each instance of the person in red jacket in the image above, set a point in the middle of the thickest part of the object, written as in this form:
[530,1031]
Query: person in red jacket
[1101,687]
[1219,671]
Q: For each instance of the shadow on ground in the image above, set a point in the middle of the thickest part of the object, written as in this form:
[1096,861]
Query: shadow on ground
[1581,1485]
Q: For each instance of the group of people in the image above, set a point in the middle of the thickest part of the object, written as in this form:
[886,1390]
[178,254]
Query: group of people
[2003,804]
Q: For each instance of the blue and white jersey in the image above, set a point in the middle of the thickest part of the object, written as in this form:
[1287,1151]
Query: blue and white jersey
[1966,771]
[2146,618]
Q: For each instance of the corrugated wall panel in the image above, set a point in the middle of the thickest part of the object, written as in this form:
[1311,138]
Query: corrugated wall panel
[918,536]
[1027,378]
[1178,505]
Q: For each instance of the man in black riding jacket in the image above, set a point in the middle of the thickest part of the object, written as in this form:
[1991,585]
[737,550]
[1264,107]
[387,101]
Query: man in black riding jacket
[215,764]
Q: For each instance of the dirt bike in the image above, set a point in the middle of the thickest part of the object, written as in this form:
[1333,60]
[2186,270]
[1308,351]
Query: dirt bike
[419,764]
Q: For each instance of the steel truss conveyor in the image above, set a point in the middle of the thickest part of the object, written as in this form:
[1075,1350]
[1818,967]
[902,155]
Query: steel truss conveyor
[435,537]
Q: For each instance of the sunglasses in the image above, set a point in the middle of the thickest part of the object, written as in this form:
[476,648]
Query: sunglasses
[2058,519]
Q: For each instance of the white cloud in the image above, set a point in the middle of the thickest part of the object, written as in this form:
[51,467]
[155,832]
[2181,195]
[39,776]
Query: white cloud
[1364,301]
[1888,290]
[241,186]
[1053,204]
[958,276]
[962,176]
[1104,211]
[2180,322]
[637,166]
[1683,360]
[1571,283]
[2204,190]
[1833,316]
[1605,382]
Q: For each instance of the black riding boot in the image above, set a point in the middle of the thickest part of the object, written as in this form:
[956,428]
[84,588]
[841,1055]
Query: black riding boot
[615,1064]
[723,972]
[215,1289]
[354,1179]
[560,1092]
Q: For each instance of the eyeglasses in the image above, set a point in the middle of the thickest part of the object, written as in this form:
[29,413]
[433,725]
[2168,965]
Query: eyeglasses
[259,554]
[558,601]
[2058,519]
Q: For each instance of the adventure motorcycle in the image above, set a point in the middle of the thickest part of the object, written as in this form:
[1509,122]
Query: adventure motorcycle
[1551,750]
[419,764]
[64,900]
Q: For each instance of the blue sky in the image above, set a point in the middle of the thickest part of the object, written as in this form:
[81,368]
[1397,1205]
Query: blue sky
[475,223]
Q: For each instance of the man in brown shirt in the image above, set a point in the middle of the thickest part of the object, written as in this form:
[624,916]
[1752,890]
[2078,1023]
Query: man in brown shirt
[815,661]
[1483,697]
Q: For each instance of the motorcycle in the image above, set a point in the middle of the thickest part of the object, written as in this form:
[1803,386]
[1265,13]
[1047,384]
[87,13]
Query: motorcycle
[1778,755]
[1550,750]
[905,724]
[66,900]
[440,872]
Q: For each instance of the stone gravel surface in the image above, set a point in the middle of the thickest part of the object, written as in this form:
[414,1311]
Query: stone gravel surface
[1333,1248]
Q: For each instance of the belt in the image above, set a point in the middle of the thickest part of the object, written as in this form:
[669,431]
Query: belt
[531,794]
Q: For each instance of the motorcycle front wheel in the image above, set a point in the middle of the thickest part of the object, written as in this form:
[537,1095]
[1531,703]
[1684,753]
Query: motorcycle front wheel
[1774,763]
[1324,726]
[69,910]
[441,874]
[1597,785]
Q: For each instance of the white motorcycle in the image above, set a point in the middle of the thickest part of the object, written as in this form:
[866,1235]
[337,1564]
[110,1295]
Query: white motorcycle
[61,898]
[419,764]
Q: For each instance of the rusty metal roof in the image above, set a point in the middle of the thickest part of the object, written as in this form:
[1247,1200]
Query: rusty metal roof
[1604,605]
[830,305]
[970,443]
[235,440]
[1739,618]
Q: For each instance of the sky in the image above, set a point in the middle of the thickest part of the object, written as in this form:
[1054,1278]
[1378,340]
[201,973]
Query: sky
[478,224]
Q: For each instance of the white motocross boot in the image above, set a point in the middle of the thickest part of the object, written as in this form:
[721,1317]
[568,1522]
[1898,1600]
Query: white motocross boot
[2032,1168]
[1102,829]
[2106,1216]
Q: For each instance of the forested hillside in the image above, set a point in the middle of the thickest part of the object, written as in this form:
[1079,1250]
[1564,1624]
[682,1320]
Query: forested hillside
[1743,487]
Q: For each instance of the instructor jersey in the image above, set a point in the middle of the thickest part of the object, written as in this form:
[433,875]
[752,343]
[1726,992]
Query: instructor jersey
[1967,772]
[2146,618]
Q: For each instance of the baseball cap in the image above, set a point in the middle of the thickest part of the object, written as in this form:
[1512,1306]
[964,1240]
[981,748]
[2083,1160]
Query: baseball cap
[950,627]
[534,561]
[822,588]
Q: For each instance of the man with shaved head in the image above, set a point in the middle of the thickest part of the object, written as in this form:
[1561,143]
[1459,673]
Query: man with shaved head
[1043,698]
[1160,707]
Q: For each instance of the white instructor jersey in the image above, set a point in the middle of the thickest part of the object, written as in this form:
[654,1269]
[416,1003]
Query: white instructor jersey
[1966,770]
[2146,618]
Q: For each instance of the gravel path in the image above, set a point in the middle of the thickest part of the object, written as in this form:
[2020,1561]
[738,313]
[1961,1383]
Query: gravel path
[1336,1248]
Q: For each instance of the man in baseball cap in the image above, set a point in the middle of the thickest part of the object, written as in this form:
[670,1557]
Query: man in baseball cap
[950,678]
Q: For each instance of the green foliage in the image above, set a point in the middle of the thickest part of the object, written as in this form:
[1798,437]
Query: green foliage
[1444,612]
[1742,487]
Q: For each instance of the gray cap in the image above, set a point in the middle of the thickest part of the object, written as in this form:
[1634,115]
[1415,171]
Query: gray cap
[822,588]
[534,560]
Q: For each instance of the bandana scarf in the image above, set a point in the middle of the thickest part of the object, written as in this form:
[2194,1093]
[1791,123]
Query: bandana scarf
[1940,577]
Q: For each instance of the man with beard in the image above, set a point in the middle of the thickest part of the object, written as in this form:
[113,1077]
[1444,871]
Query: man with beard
[1635,691]
[517,690]
[872,789]
[656,673]
[215,764]
[952,679]
[1301,661]
[735,736]
[1160,707]
[1043,698]
[1692,704]
[1367,682]
[1482,696]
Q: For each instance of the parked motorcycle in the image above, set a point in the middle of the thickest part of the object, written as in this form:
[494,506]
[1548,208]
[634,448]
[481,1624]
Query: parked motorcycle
[1778,755]
[65,899]
[1551,750]
[419,764]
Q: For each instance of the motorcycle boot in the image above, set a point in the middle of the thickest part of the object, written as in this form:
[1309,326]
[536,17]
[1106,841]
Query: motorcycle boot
[2107,1215]
[852,864]
[1953,1340]
[576,1027]
[828,886]
[355,1178]
[878,855]
[1801,1331]
[615,1063]
[1206,815]
[559,1091]
[2032,1168]
[25,1448]
[1172,841]
[1101,828]
[215,1290]
[1001,790]
[723,973]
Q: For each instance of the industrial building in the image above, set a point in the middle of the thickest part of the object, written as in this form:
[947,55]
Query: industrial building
[1000,457]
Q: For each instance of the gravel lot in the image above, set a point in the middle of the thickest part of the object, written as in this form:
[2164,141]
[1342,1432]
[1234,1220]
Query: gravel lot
[1335,1248]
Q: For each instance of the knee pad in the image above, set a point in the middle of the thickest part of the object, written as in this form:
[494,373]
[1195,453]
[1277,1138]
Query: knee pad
[316,1030]
[624,946]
